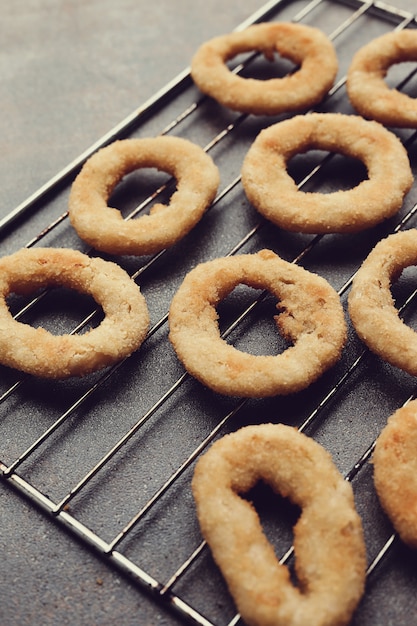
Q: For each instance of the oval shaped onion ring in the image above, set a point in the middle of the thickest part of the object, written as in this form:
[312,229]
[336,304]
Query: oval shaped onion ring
[395,475]
[273,192]
[371,306]
[105,229]
[366,86]
[37,351]
[328,538]
[311,316]
[306,46]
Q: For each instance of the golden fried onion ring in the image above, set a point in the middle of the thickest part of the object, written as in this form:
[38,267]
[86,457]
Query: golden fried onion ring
[306,46]
[328,538]
[371,306]
[105,229]
[311,316]
[395,471]
[366,87]
[37,351]
[273,192]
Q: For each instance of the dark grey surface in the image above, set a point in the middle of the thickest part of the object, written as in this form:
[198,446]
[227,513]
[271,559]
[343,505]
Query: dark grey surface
[71,71]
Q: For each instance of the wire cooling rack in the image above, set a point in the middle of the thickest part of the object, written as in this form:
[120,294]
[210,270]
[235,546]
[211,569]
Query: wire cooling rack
[110,456]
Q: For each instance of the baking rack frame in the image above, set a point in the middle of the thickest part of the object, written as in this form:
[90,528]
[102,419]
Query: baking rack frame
[164,591]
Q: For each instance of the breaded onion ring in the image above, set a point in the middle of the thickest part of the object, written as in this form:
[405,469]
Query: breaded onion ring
[329,546]
[273,192]
[39,352]
[311,316]
[105,229]
[366,87]
[306,46]
[371,305]
[395,471]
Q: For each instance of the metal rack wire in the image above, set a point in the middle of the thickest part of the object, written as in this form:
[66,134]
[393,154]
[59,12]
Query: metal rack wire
[318,412]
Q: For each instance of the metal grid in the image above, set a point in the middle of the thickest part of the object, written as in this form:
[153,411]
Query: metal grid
[136,430]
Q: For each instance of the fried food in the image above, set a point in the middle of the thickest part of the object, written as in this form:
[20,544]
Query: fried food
[274,193]
[104,228]
[395,471]
[366,84]
[307,47]
[329,548]
[371,305]
[37,351]
[310,316]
